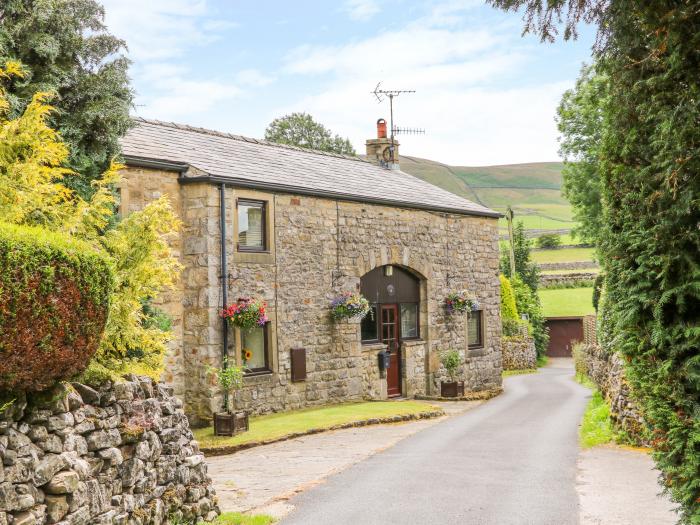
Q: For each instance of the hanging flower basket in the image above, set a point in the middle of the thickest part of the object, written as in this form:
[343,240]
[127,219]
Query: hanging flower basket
[460,302]
[349,305]
[246,313]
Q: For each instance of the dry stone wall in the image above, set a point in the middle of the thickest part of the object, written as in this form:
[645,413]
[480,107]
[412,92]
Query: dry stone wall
[519,352]
[122,454]
[607,371]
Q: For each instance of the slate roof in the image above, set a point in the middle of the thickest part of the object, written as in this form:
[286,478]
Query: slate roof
[259,164]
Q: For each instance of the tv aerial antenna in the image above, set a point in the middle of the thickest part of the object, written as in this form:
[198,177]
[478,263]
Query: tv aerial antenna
[381,95]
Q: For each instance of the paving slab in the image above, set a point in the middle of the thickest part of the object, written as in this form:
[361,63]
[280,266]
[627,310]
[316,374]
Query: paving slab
[618,486]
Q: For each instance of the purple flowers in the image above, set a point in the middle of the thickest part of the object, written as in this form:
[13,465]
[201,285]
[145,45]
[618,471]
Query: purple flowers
[349,305]
[461,301]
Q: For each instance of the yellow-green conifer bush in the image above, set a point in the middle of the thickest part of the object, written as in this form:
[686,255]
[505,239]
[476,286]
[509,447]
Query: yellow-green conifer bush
[33,192]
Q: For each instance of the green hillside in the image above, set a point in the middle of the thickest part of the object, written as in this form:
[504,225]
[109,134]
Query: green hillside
[533,190]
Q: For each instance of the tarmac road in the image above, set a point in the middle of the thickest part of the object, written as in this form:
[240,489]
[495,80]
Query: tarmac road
[511,460]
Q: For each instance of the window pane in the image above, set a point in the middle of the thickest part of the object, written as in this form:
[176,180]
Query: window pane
[253,348]
[250,225]
[369,324]
[409,320]
[474,328]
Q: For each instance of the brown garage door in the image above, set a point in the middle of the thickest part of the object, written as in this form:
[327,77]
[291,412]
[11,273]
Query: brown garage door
[563,333]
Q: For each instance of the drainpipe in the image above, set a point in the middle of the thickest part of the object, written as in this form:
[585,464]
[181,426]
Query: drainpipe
[224,275]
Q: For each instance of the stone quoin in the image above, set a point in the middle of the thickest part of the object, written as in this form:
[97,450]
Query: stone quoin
[299,228]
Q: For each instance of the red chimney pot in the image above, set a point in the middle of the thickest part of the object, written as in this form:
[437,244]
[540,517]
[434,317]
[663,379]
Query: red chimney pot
[381,128]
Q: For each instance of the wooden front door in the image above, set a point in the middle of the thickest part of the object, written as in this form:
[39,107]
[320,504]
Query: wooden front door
[389,325]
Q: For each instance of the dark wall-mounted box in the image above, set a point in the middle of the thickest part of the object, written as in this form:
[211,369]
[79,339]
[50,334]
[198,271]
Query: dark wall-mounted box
[298,364]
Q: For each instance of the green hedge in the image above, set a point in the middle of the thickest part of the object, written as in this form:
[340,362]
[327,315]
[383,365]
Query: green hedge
[54,299]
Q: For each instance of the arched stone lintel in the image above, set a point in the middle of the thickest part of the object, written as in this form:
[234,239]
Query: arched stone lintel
[395,256]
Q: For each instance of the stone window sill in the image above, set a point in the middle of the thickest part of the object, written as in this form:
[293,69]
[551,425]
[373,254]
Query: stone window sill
[413,342]
[368,347]
[257,377]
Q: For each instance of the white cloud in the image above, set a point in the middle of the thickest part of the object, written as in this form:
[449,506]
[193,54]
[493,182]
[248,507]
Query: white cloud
[361,9]
[159,34]
[464,97]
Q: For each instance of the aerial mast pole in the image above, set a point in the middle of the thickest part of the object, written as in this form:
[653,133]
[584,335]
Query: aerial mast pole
[391,93]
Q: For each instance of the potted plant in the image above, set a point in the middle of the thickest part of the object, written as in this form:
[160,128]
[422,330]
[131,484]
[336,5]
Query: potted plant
[460,302]
[349,305]
[230,380]
[453,388]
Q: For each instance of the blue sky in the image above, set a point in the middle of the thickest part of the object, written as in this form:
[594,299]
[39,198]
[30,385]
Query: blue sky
[483,94]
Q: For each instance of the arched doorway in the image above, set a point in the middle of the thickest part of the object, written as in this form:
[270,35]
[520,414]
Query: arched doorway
[394,295]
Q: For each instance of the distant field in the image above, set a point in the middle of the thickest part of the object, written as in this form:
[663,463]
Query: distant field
[567,302]
[567,272]
[563,255]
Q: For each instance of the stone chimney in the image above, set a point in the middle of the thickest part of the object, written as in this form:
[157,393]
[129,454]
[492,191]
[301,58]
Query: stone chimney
[380,150]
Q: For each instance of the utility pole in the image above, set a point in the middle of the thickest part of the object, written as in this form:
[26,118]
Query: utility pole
[511,250]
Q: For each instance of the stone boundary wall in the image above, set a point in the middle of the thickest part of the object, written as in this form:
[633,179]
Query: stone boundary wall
[519,352]
[123,454]
[564,279]
[568,265]
[607,371]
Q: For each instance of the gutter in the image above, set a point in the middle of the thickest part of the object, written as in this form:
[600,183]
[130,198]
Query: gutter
[284,188]
[144,162]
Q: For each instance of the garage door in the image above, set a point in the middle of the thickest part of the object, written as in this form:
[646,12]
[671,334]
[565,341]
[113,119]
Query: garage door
[563,333]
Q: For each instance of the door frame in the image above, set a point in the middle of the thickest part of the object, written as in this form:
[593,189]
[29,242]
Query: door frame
[397,328]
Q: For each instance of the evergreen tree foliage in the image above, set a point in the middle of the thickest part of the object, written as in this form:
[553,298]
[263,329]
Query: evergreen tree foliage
[528,302]
[67,50]
[524,267]
[650,188]
[508,308]
[300,129]
[34,192]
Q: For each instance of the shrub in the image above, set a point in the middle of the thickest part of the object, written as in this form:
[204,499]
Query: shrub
[450,360]
[508,308]
[54,299]
[548,240]
[528,302]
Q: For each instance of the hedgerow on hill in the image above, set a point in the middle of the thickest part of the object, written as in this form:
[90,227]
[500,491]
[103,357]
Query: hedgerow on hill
[648,158]
[33,192]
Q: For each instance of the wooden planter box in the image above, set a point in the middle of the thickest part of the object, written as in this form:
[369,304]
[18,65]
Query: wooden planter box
[226,424]
[452,389]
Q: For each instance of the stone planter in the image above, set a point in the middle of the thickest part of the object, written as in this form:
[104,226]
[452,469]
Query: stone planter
[230,424]
[452,389]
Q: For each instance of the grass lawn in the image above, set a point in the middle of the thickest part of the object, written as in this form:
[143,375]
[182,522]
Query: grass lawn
[563,255]
[564,302]
[236,518]
[273,426]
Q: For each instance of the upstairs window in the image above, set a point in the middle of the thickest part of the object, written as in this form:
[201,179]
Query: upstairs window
[251,226]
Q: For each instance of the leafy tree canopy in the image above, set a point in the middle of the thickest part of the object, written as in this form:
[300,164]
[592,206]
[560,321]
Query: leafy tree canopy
[67,50]
[524,267]
[580,118]
[300,129]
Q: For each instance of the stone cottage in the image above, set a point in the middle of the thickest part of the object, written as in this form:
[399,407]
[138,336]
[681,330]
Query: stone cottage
[296,228]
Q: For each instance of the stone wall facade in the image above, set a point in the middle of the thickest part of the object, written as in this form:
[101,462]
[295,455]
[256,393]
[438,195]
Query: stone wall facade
[607,371]
[123,454]
[519,352]
[318,248]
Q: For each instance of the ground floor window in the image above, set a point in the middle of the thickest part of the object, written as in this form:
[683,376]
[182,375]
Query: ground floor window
[254,349]
[369,325]
[409,320]
[475,329]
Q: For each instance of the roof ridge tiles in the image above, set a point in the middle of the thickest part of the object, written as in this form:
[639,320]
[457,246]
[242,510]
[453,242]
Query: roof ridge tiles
[223,134]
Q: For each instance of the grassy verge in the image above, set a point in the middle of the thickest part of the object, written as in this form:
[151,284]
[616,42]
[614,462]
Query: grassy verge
[542,360]
[236,518]
[276,426]
[565,302]
[563,255]
[508,373]
[596,427]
